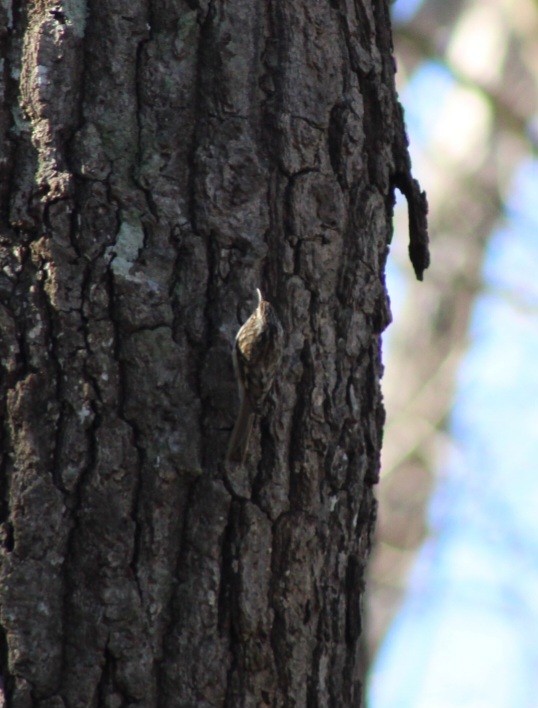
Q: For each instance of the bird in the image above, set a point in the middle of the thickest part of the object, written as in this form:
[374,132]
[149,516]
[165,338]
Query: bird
[256,354]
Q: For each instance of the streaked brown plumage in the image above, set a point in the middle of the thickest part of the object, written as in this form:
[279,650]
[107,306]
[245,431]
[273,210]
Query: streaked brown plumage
[257,354]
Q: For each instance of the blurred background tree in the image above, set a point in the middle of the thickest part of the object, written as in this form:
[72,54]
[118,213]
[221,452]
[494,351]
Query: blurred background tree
[460,389]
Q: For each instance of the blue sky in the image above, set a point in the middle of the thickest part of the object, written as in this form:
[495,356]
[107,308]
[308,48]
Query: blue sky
[467,634]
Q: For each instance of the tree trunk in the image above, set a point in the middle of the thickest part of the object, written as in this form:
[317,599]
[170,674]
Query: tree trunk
[159,162]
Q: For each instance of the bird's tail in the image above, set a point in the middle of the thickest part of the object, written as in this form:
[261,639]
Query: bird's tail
[238,446]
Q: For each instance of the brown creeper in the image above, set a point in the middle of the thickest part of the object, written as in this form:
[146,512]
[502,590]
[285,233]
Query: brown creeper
[257,353]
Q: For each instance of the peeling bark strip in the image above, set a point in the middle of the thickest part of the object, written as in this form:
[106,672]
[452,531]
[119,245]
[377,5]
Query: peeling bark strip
[159,161]
[417,204]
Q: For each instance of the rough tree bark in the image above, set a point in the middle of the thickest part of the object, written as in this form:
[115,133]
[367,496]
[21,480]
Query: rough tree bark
[159,161]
